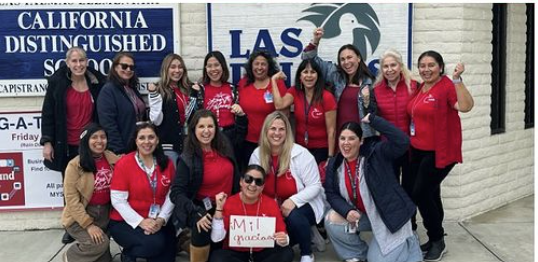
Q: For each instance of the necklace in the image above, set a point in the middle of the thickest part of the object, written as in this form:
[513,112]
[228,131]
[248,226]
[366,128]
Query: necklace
[251,258]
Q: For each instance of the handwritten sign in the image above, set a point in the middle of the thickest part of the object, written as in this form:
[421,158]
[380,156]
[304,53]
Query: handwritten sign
[252,231]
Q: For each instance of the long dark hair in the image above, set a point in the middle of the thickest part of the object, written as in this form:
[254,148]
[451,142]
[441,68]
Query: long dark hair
[362,71]
[158,153]
[219,142]
[222,61]
[87,161]
[272,65]
[436,56]
[320,82]
[115,78]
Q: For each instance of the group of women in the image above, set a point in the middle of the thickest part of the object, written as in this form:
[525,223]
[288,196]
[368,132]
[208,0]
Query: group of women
[212,150]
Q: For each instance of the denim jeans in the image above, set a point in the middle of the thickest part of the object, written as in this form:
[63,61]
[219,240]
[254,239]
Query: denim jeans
[298,224]
[350,245]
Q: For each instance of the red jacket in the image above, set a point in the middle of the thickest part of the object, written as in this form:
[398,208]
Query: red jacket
[392,105]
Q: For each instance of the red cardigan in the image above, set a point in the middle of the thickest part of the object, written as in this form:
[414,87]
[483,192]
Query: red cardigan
[392,105]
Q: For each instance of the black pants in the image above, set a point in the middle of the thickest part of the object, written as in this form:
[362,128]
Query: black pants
[401,165]
[276,254]
[424,187]
[320,154]
[158,247]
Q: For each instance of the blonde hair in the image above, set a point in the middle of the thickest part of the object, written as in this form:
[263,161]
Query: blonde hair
[73,49]
[163,86]
[406,73]
[284,157]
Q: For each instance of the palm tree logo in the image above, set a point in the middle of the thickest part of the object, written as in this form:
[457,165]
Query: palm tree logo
[334,17]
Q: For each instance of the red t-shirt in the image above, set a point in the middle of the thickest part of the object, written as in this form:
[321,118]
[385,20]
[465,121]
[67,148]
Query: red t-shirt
[286,185]
[354,174]
[348,106]
[317,128]
[218,176]
[422,109]
[129,177]
[219,99]
[257,104]
[101,187]
[79,113]
[181,100]
[234,207]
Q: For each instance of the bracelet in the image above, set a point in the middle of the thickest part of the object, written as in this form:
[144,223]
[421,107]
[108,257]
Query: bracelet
[457,81]
[220,210]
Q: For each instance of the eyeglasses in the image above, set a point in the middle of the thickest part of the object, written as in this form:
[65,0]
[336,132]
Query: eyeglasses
[258,181]
[125,66]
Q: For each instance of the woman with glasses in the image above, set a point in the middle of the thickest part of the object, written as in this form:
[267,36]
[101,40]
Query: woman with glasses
[69,105]
[249,202]
[140,190]
[292,180]
[120,106]
[205,168]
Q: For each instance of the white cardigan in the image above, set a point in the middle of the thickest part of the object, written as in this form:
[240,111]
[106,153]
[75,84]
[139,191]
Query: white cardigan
[304,170]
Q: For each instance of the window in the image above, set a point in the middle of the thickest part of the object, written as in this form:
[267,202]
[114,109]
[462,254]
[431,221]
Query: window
[529,69]
[498,74]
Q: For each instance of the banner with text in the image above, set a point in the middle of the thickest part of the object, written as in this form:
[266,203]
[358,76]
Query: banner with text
[35,37]
[284,29]
[25,182]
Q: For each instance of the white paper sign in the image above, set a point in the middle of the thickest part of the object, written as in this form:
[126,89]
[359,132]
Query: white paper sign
[252,231]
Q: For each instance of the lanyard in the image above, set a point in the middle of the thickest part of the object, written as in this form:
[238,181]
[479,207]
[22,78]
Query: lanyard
[151,174]
[251,258]
[306,113]
[353,179]
[276,177]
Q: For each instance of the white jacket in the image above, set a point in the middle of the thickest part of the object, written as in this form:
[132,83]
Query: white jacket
[304,170]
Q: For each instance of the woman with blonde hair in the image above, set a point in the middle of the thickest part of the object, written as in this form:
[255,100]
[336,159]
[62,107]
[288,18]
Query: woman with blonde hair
[169,104]
[292,180]
[394,88]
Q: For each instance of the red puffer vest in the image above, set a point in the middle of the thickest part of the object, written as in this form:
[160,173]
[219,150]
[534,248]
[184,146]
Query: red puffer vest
[393,105]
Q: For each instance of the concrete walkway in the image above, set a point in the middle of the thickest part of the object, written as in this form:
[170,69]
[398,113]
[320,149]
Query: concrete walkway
[505,234]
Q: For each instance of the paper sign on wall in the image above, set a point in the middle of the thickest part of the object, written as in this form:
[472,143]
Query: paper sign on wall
[252,231]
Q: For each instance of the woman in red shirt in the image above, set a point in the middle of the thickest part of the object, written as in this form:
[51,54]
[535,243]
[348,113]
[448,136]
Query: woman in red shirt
[87,197]
[315,109]
[393,90]
[436,139]
[205,168]
[255,91]
[139,191]
[249,202]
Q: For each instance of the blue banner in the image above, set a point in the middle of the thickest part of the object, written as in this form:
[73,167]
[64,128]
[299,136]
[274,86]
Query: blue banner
[33,43]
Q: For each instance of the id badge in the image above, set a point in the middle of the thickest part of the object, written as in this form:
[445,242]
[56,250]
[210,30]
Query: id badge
[268,97]
[306,137]
[154,210]
[207,204]
[412,128]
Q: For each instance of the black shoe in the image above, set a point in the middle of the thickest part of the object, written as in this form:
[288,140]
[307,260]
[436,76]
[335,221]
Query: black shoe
[436,252]
[426,247]
[66,238]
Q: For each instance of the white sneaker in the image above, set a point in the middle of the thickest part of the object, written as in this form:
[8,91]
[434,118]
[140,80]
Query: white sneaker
[318,240]
[308,258]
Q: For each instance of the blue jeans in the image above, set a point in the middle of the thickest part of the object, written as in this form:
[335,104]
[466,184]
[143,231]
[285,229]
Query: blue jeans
[158,247]
[298,224]
[350,245]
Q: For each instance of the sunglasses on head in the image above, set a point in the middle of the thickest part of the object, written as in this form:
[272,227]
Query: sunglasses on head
[125,66]
[258,181]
